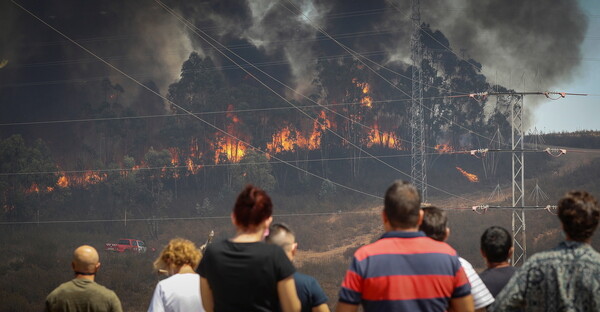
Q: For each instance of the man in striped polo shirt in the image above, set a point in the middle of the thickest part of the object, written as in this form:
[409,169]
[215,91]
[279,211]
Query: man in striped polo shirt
[405,270]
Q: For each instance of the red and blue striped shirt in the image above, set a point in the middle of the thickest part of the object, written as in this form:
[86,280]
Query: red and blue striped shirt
[404,271]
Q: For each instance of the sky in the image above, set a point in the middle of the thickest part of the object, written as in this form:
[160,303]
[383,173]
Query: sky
[575,113]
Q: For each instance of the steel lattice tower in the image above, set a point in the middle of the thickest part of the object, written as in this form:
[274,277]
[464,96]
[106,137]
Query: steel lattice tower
[418,171]
[518,181]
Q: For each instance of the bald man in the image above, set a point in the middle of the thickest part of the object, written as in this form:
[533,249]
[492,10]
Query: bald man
[82,293]
[310,293]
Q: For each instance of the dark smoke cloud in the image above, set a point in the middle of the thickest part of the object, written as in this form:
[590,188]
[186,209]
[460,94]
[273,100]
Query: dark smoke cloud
[538,40]
[506,36]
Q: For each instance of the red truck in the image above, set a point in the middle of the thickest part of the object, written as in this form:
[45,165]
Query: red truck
[127,245]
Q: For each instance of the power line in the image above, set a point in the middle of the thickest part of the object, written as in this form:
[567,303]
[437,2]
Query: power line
[187,111]
[281,83]
[237,111]
[166,219]
[98,170]
[283,98]
[358,56]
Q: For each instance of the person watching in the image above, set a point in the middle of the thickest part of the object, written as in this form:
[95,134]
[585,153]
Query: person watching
[311,295]
[566,278]
[435,225]
[405,270]
[181,290]
[82,293]
[244,273]
[496,250]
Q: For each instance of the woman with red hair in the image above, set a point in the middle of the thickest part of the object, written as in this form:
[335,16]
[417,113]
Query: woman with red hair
[244,273]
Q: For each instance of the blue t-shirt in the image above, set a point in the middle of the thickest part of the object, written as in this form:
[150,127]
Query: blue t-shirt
[309,292]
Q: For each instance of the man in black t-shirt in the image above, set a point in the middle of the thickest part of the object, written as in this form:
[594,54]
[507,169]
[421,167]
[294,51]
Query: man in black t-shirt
[496,248]
[310,293]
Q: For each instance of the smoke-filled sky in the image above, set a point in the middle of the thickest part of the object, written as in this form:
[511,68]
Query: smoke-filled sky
[523,45]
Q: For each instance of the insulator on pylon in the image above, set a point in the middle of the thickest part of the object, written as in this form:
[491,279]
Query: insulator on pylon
[482,151]
[480,209]
[560,94]
[479,97]
[552,209]
[555,152]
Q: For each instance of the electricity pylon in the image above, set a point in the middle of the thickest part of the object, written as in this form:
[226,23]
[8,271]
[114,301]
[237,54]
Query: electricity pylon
[418,164]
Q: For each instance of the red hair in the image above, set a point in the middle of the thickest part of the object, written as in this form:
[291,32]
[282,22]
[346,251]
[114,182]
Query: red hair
[252,206]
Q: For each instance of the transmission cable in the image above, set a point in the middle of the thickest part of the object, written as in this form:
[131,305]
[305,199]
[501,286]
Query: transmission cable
[190,25]
[187,111]
[352,52]
[323,126]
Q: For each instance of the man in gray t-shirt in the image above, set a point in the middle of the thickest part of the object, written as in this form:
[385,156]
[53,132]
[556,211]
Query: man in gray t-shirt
[82,293]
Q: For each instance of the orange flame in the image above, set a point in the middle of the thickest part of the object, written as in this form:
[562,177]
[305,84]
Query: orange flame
[471,177]
[174,155]
[281,141]
[233,150]
[63,181]
[444,148]
[91,177]
[366,100]
[288,139]
[193,168]
[33,188]
[382,138]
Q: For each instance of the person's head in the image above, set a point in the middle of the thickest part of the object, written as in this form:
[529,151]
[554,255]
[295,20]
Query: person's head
[253,209]
[579,213]
[435,223]
[402,207]
[281,235]
[177,253]
[496,245]
[86,261]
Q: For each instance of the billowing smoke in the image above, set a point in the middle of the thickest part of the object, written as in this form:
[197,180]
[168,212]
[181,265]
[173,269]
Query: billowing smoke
[511,38]
[526,44]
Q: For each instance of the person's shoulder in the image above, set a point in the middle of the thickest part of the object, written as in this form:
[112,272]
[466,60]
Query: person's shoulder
[59,289]
[179,281]
[441,247]
[216,245]
[303,278]
[103,289]
[464,262]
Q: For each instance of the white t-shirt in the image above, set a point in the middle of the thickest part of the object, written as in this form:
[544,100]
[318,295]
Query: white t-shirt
[180,292]
[481,295]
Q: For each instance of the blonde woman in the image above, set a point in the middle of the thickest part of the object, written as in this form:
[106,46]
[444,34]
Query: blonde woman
[181,290]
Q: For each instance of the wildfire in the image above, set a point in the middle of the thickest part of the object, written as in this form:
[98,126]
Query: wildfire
[233,150]
[174,156]
[87,178]
[282,141]
[91,177]
[288,139]
[227,147]
[385,139]
[62,181]
[193,168]
[367,100]
[471,177]
[34,188]
[444,148]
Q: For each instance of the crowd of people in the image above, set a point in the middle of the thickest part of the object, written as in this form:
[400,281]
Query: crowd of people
[410,268]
